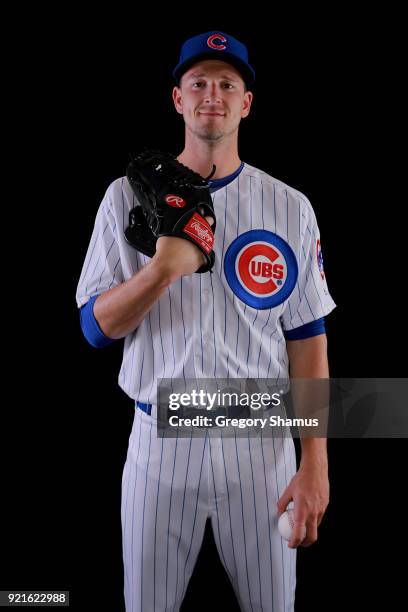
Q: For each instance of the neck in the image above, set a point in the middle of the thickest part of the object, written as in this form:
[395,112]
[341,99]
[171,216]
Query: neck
[201,155]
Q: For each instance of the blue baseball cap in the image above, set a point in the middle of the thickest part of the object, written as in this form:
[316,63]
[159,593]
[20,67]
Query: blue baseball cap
[215,45]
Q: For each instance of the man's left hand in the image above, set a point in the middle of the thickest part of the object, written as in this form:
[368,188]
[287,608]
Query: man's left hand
[309,490]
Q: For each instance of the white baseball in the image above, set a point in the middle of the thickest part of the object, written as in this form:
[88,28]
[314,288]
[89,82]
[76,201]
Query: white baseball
[286,524]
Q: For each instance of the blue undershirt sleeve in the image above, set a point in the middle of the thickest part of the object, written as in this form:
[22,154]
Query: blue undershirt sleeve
[90,326]
[314,328]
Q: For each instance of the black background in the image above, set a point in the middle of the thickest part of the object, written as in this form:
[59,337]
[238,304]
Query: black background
[84,94]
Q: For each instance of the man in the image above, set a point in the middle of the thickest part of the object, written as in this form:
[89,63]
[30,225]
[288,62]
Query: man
[234,322]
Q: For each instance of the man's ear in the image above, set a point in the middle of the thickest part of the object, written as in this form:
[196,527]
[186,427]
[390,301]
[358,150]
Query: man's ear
[177,99]
[246,105]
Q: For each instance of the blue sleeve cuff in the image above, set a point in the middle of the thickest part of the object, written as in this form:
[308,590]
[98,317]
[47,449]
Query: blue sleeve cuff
[314,328]
[90,326]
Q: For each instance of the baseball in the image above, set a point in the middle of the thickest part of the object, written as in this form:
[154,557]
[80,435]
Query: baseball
[286,524]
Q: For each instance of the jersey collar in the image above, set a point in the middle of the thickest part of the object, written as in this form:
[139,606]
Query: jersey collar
[221,182]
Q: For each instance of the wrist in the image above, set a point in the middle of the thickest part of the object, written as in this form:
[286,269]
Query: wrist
[162,272]
[314,452]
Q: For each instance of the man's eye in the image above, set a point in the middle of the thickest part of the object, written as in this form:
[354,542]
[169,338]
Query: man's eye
[200,84]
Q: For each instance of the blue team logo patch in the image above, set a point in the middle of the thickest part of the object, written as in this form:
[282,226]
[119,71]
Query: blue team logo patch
[319,256]
[261,269]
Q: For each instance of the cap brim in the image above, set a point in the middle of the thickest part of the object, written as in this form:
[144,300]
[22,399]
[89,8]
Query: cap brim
[246,72]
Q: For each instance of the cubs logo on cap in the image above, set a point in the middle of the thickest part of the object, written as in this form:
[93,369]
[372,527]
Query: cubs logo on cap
[216,41]
[261,269]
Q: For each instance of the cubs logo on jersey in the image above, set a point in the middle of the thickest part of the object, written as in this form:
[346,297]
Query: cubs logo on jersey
[261,269]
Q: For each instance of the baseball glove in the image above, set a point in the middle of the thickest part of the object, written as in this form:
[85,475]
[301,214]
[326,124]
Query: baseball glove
[173,201]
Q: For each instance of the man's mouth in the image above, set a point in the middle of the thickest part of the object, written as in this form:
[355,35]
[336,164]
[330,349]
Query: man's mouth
[211,114]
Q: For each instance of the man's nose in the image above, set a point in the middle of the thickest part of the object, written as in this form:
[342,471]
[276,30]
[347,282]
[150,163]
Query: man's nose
[213,93]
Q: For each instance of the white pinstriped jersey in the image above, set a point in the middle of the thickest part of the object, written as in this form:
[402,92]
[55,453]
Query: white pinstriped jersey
[199,328]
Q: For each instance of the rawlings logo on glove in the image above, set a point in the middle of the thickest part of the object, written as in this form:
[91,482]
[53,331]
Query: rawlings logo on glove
[201,232]
[173,201]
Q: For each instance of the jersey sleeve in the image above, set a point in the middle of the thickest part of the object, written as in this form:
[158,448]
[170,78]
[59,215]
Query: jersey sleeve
[310,299]
[102,265]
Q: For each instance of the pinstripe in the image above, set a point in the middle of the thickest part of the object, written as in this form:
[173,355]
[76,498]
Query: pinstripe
[307,301]
[88,258]
[155,528]
[229,504]
[181,518]
[144,508]
[268,513]
[126,478]
[114,275]
[195,513]
[286,484]
[213,320]
[239,206]
[225,293]
[106,261]
[161,341]
[168,524]
[292,569]
[126,513]
[230,574]
[171,333]
[124,363]
[278,497]
[260,344]
[222,267]
[98,260]
[153,353]
[255,518]
[279,364]
[184,327]
[249,339]
[123,203]
[141,371]
[274,204]
[287,237]
[270,351]
[113,226]
[133,512]
[201,331]
[299,252]
[245,307]
[243,523]
[250,199]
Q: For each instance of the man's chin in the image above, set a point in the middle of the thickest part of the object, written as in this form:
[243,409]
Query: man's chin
[210,135]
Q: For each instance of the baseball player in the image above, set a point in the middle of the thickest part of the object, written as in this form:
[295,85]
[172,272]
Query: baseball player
[259,313]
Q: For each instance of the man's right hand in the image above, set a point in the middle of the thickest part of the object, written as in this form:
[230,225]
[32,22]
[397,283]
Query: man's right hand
[177,257]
